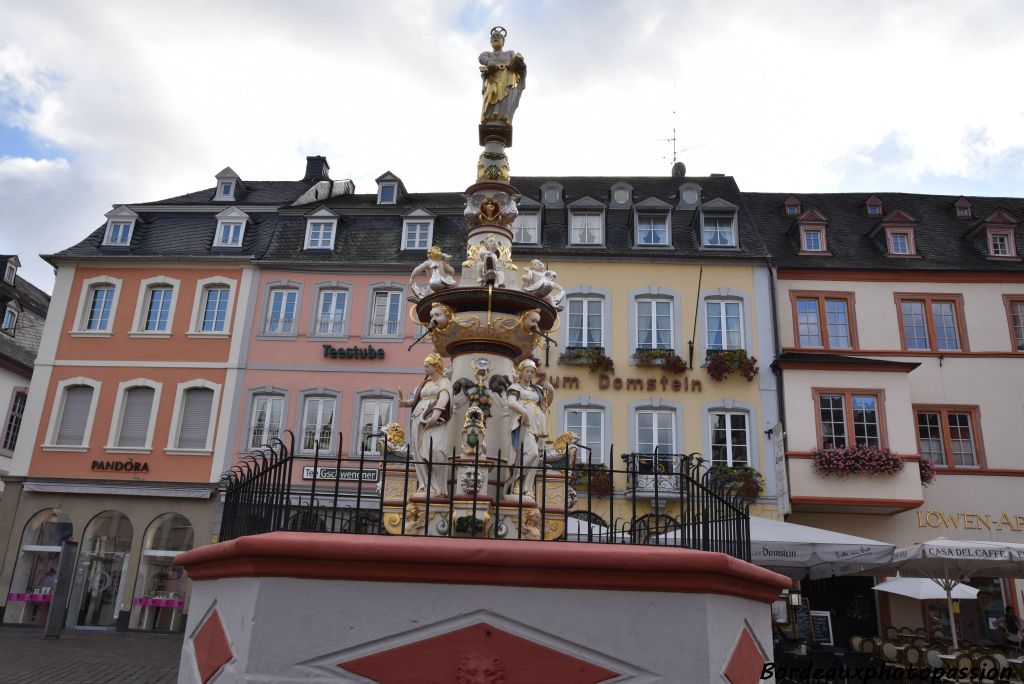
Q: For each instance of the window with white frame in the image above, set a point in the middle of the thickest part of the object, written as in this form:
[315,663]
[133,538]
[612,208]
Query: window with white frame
[10,272]
[387,193]
[730,445]
[719,231]
[100,300]
[320,234]
[374,414]
[157,308]
[14,416]
[654,324]
[318,423]
[196,412]
[416,234]
[1000,244]
[386,314]
[215,309]
[652,229]
[812,240]
[587,228]
[267,416]
[586,321]
[229,234]
[524,228]
[724,324]
[227,190]
[899,243]
[588,425]
[331,309]
[73,419]
[119,233]
[136,409]
[10,320]
[655,429]
[281,307]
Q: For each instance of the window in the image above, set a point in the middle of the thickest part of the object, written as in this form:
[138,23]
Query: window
[227,190]
[931,323]
[136,409]
[729,441]
[524,229]
[792,209]
[374,414]
[386,314]
[587,228]
[1015,313]
[387,193]
[119,233]
[416,234]
[14,416]
[318,423]
[1001,243]
[849,417]
[949,435]
[963,212]
[585,322]
[654,324]
[330,318]
[588,425]
[195,420]
[899,243]
[229,234]
[725,324]
[10,320]
[812,241]
[215,309]
[655,429]
[719,231]
[281,312]
[101,302]
[75,415]
[10,272]
[320,234]
[824,321]
[652,229]
[267,415]
[158,307]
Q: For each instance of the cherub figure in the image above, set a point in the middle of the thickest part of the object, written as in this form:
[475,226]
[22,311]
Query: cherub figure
[488,263]
[441,274]
[537,280]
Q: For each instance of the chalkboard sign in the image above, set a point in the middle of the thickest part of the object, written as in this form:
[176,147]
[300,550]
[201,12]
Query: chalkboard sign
[821,623]
[802,626]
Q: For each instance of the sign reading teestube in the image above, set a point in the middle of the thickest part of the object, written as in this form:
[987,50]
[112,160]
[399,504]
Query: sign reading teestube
[368,352]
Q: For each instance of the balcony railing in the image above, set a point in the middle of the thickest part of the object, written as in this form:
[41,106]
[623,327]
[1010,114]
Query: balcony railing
[653,473]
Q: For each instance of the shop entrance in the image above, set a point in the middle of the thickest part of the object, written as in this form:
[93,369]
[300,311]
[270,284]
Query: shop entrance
[102,566]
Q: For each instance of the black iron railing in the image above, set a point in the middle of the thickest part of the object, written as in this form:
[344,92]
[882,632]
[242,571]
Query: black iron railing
[653,499]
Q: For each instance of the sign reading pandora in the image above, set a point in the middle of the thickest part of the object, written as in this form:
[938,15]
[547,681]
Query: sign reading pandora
[352,352]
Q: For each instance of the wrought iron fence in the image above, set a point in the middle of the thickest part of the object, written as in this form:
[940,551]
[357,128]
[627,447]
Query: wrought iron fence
[652,499]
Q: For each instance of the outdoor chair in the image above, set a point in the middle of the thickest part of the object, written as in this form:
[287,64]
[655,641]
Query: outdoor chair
[921,631]
[988,666]
[855,642]
[938,634]
[932,659]
[913,657]
[891,656]
[891,633]
[964,662]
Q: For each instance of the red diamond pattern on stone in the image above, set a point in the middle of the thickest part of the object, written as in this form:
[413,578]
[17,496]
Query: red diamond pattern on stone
[211,647]
[746,662]
[478,654]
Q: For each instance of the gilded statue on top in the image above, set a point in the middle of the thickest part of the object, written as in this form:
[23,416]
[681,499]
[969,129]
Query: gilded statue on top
[504,76]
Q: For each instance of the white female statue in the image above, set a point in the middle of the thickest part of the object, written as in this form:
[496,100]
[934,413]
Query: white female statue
[441,275]
[528,404]
[429,444]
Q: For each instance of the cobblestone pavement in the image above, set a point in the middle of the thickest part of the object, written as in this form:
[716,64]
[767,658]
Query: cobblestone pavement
[80,657]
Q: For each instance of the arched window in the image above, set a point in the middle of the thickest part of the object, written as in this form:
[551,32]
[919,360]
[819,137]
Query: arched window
[161,587]
[99,578]
[35,573]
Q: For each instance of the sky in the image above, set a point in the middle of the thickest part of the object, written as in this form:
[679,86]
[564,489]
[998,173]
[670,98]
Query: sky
[105,103]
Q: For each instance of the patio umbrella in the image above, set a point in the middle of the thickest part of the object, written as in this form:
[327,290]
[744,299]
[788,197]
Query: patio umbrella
[922,588]
[798,551]
[949,562]
[581,530]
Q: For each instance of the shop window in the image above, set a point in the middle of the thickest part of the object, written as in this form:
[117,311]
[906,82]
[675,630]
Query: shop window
[932,322]
[824,321]
[161,587]
[35,572]
[847,417]
[949,435]
[102,567]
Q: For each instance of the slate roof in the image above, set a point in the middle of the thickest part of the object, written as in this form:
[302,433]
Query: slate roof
[941,237]
[22,347]
[271,193]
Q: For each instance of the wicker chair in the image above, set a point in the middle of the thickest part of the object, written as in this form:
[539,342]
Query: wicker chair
[988,668]
[855,642]
[932,659]
[890,633]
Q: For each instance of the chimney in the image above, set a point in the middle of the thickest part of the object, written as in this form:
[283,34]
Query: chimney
[317,169]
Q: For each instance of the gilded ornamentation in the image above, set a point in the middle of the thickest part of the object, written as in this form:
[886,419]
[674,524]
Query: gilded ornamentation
[531,524]
[508,208]
[393,441]
[504,78]
[441,317]
[489,210]
[414,520]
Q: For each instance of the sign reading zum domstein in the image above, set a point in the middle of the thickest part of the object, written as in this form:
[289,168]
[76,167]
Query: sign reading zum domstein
[330,473]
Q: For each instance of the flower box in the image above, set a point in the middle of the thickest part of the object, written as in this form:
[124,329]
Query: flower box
[721,363]
[858,459]
[593,357]
[666,358]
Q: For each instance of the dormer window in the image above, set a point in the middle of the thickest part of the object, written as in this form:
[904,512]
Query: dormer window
[718,224]
[792,206]
[227,185]
[227,190]
[10,320]
[900,243]
[1001,243]
[417,229]
[387,193]
[899,228]
[321,227]
[230,228]
[963,212]
[120,225]
[10,272]
[873,206]
[586,222]
[652,229]
[812,240]
[812,224]
[524,229]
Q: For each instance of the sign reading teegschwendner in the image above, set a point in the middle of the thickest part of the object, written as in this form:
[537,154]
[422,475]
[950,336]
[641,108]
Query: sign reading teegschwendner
[368,352]
[330,473]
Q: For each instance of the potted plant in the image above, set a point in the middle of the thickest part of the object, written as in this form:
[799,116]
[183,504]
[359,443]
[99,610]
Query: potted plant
[666,358]
[927,467]
[743,482]
[594,477]
[858,459]
[592,357]
[721,363]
